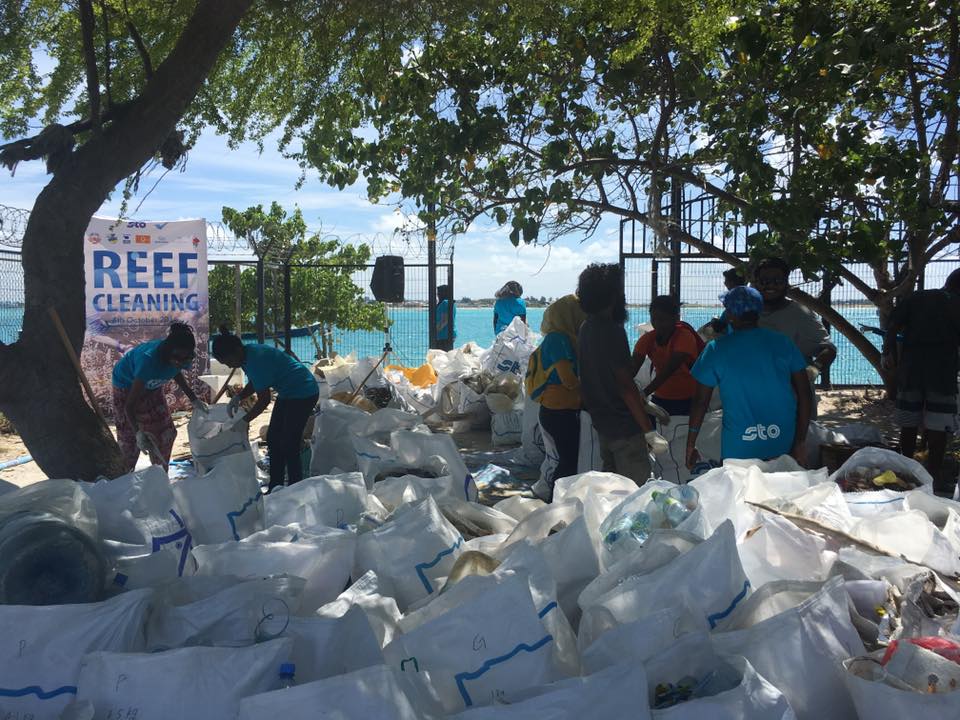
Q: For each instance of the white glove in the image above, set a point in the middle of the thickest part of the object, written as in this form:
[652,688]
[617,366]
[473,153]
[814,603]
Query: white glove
[813,372]
[233,405]
[146,443]
[658,412]
[656,442]
[200,406]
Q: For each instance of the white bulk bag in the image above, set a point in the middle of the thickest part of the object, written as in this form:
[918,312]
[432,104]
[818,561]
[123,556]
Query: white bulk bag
[762,486]
[378,426]
[518,507]
[331,446]
[532,438]
[639,641]
[619,691]
[478,519]
[225,504]
[412,552]
[506,429]
[62,498]
[393,492]
[138,509]
[324,559]
[747,696]
[722,496]
[43,646]
[195,683]
[888,460]
[372,692]
[817,636]
[878,700]
[709,574]
[779,550]
[823,502]
[481,652]
[214,435]
[910,534]
[419,450]
[368,594]
[511,350]
[661,548]
[204,610]
[877,502]
[324,647]
[330,500]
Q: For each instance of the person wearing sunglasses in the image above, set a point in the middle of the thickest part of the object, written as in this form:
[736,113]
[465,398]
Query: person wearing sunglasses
[140,407]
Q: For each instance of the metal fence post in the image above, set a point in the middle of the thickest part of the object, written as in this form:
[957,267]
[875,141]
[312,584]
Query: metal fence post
[261,303]
[238,299]
[431,279]
[450,310]
[286,308]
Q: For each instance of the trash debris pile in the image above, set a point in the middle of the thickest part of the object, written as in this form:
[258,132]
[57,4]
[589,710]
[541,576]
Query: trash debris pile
[387,585]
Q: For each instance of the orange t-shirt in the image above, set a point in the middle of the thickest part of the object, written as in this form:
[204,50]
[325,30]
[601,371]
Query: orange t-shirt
[680,385]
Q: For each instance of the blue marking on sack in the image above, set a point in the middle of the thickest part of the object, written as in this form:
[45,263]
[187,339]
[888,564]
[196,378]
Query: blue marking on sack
[39,692]
[181,534]
[466,486]
[876,502]
[368,455]
[488,664]
[717,617]
[234,514]
[547,608]
[420,567]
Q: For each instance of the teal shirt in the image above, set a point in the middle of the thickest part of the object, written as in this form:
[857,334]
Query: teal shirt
[505,310]
[440,317]
[268,367]
[752,368]
[144,363]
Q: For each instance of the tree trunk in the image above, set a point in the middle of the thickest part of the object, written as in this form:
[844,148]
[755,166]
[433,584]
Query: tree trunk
[40,391]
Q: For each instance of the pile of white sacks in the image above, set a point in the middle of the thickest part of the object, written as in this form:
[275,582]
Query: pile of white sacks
[405,598]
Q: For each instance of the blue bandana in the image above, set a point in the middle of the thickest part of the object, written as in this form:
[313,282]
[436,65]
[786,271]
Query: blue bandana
[742,300]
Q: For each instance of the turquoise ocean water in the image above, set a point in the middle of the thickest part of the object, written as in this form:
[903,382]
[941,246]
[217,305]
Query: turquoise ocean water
[409,336]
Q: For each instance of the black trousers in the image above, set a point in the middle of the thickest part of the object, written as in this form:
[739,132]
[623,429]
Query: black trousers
[563,427]
[285,437]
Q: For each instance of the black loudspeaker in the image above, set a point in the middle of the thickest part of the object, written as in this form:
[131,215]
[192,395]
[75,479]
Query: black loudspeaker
[387,281]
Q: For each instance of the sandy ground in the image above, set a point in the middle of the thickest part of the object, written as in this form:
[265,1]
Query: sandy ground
[837,407]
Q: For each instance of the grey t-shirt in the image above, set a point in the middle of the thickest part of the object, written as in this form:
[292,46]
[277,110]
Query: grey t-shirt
[798,324]
[602,348]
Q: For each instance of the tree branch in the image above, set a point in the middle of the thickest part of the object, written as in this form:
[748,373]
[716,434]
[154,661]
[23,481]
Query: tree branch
[138,43]
[87,26]
[872,294]
[106,54]
[950,143]
[942,244]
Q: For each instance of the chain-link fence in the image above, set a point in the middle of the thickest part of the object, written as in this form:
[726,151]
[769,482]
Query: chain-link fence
[11,296]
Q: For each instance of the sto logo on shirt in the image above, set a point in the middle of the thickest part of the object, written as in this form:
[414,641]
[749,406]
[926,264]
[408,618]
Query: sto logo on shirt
[761,432]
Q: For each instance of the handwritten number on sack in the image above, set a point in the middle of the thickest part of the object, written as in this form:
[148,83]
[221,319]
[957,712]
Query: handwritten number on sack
[479,643]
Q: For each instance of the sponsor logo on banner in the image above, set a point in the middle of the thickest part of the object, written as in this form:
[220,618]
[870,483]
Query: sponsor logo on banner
[161,240]
[196,241]
[160,226]
[112,239]
[142,239]
[94,238]
[127,238]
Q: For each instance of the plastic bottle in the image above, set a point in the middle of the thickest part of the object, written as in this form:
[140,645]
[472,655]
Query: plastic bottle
[287,672]
[630,530]
[673,510]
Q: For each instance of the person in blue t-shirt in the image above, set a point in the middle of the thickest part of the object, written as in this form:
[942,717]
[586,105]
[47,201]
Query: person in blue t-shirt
[268,368]
[139,406]
[763,384]
[509,305]
[441,317]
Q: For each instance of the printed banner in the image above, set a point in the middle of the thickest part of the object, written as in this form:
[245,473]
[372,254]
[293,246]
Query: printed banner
[140,277]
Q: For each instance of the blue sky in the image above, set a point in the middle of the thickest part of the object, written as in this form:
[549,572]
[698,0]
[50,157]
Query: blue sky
[216,176]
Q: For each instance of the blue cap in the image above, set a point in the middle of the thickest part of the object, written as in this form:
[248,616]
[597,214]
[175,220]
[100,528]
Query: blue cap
[288,669]
[742,300]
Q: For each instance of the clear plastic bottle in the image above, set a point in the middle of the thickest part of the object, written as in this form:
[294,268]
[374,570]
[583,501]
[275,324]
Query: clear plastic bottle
[287,672]
[673,510]
[628,532]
